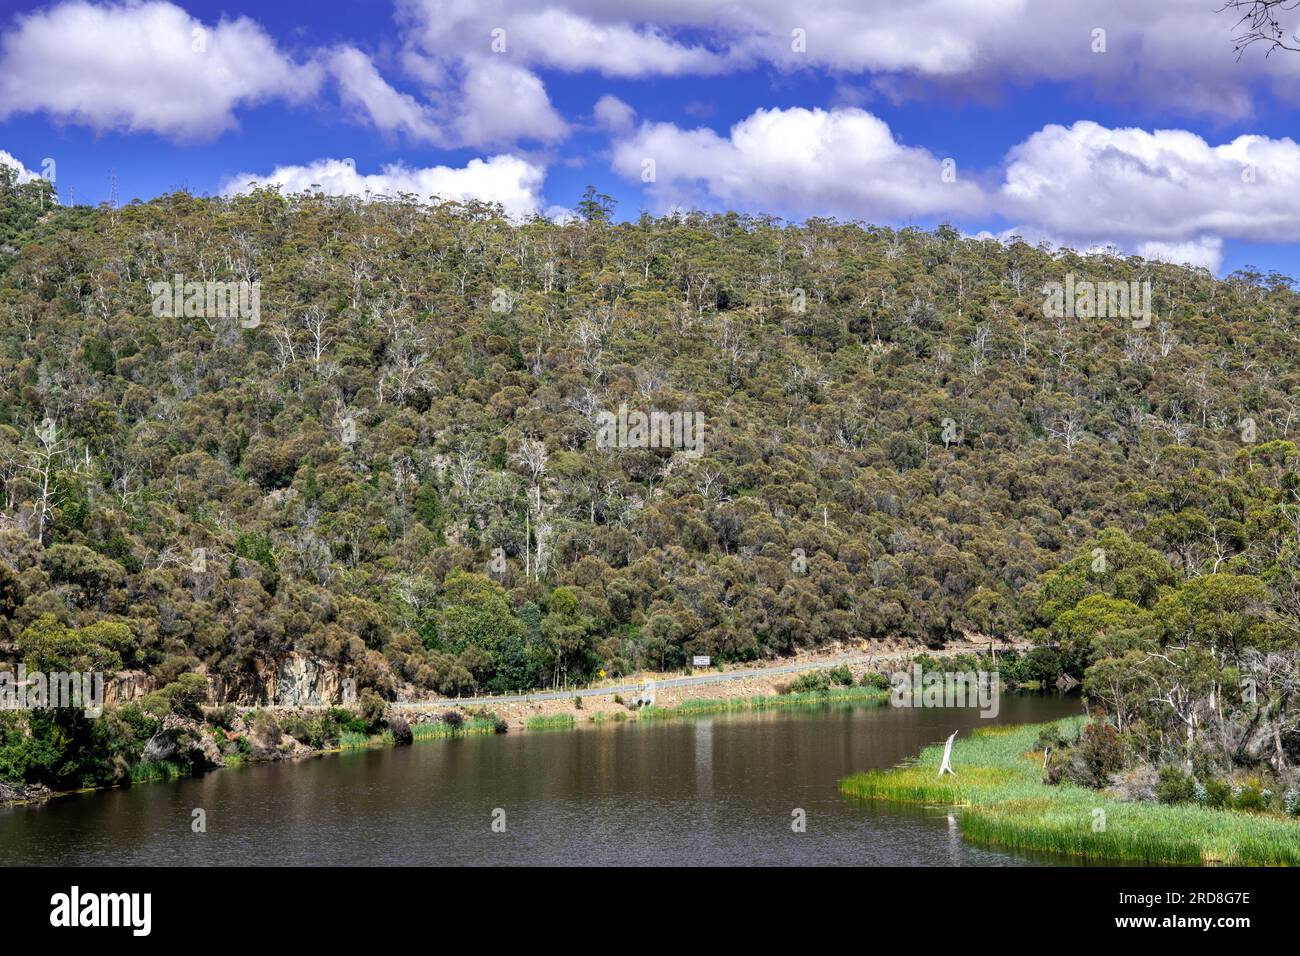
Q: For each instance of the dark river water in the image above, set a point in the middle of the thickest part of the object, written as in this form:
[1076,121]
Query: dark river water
[703,791]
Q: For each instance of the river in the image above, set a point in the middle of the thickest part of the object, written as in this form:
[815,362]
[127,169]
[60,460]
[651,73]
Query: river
[698,791]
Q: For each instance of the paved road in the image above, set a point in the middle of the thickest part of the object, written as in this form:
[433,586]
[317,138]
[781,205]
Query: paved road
[632,688]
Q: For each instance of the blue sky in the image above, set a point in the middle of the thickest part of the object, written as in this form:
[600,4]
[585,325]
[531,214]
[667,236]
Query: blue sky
[1161,142]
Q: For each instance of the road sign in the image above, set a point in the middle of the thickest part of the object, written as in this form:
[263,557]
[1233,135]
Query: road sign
[700,661]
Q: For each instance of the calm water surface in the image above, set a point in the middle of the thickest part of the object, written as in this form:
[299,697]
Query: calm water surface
[701,791]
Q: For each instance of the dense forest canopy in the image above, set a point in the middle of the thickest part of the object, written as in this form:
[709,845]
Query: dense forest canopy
[396,468]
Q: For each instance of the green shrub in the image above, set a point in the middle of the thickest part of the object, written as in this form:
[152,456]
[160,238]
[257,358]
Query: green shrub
[1042,665]
[1175,786]
[1096,755]
[927,662]
[223,716]
[374,710]
[1218,793]
[345,721]
[1250,797]
[401,731]
[267,728]
[840,676]
[813,681]
[1056,736]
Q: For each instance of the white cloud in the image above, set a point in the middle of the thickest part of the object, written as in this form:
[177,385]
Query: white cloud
[143,67]
[513,182]
[561,214]
[1205,252]
[479,101]
[361,86]
[1157,52]
[800,162]
[613,114]
[542,33]
[1162,194]
[500,103]
[25,175]
[1169,189]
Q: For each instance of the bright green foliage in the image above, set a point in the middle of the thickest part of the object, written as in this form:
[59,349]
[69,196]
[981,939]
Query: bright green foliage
[49,646]
[1003,801]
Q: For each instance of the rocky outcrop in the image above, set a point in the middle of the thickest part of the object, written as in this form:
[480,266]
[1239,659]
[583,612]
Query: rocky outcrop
[23,793]
[127,686]
[161,746]
[297,680]
[185,741]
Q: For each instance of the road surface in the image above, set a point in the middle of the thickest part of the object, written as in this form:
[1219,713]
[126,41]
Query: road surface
[633,687]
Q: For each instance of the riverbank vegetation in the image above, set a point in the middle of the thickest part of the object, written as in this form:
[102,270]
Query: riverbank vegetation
[394,471]
[551,722]
[811,698]
[1186,638]
[1001,796]
[1191,669]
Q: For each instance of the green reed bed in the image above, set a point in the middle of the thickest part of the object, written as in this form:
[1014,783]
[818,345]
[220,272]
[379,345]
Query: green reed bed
[708,705]
[148,770]
[550,722]
[1003,802]
[815,698]
[440,730]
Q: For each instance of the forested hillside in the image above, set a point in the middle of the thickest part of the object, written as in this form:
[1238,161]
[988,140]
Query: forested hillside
[897,443]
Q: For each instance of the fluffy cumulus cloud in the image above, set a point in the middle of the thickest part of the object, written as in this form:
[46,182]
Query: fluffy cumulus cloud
[481,102]
[500,103]
[513,182]
[611,38]
[25,175]
[151,66]
[1205,252]
[143,67]
[1156,52]
[1164,194]
[613,114]
[362,88]
[798,162]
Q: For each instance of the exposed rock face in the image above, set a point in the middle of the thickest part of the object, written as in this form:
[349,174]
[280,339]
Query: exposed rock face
[161,746]
[297,679]
[184,740]
[210,750]
[294,680]
[127,686]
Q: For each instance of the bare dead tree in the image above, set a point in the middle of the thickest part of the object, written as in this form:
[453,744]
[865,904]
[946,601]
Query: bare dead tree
[1258,22]
[40,462]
